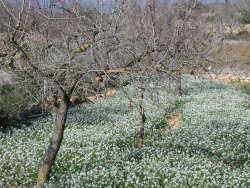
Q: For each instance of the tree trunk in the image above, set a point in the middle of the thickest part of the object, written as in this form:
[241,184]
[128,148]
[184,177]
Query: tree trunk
[140,130]
[179,91]
[50,155]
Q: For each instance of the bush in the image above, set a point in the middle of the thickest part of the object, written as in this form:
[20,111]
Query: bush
[12,101]
[245,17]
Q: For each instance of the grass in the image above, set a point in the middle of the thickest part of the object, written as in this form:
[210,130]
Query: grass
[245,87]
[210,149]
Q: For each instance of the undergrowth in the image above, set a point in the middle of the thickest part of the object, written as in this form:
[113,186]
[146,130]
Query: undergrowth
[210,149]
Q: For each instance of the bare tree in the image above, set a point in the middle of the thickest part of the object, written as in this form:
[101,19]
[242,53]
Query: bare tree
[57,53]
[83,50]
[167,42]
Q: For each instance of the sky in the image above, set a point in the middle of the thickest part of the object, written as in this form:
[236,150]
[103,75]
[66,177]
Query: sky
[108,1]
[107,4]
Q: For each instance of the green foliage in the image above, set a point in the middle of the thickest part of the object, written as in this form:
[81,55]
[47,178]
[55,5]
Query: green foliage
[245,16]
[175,106]
[159,123]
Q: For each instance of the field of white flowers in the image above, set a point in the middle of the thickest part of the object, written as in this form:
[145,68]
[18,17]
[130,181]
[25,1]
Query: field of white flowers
[210,149]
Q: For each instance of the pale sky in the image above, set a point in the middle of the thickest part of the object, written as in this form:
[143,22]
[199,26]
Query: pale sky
[108,3]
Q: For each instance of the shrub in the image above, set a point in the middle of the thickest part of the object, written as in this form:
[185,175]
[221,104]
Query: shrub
[12,101]
[244,9]
[245,17]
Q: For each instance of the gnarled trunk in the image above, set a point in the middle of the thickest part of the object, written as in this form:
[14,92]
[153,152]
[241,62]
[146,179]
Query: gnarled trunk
[50,155]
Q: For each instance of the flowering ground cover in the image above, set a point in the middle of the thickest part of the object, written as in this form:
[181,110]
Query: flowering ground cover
[211,148]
